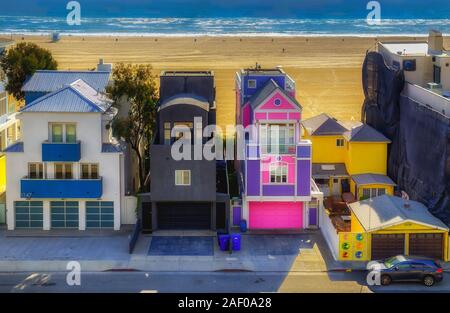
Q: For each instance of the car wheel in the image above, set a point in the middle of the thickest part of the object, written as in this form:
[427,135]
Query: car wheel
[386,280]
[428,280]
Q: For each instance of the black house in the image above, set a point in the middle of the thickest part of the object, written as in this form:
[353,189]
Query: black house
[184,194]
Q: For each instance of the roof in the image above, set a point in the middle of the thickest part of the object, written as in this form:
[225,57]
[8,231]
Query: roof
[385,211]
[266,91]
[365,133]
[187,73]
[78,97]
[366,179]
[49,81]
[112,148]
[323,125]
[407,48]
[15,147]
[325,170]
[190,99]
[262,71]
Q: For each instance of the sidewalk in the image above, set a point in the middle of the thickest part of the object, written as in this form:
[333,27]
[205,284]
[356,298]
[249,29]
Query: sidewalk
[43,251]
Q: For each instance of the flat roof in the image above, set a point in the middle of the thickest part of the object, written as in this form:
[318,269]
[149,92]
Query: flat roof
[263,71]
[410,48]
[187,73]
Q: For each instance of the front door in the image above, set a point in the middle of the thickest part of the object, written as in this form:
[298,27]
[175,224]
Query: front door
[312,218]
[336,186]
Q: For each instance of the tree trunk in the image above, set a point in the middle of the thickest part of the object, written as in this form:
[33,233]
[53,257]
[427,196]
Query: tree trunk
[141,171]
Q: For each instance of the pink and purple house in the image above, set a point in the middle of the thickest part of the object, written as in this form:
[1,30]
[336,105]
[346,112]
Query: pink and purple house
[275,178]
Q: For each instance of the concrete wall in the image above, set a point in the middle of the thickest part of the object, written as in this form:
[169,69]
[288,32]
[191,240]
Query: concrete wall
[35,131]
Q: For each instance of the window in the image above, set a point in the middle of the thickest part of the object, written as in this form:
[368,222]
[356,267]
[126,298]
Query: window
[372,192]
[63,133]
[63,171]
[35,170]
[89,171]
[277,139]
[167,136]
[182,177]
[277,102]
[278,173]
[340,142]
[57,133]
[251,83]
[71,133]
[3,104]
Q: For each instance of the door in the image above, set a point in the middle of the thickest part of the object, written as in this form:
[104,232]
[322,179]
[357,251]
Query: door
[275,215]
[147,217]
[183,215]
[64,214]
[336,187]
[312,217]
[427,245]
[384,246]
[29,214]
[221,216]
[99,214]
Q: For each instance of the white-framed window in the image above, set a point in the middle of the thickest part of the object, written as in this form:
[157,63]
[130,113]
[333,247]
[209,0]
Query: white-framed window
[251,83]
[275,138]
[182,177]
[340,142]
[368,193]
[63,132]
[89,171]
[63,171]
[278,173]
[167,136]
[36,170]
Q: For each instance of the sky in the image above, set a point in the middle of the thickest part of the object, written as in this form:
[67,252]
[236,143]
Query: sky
[230,8]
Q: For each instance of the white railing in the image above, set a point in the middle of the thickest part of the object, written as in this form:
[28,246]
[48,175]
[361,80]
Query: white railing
[428,98]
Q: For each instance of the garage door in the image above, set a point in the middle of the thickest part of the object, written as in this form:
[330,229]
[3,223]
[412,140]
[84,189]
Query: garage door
[29,214]
[428,245]
[64,214]
[275,215]
[184,215]
[99,214]
[384,246]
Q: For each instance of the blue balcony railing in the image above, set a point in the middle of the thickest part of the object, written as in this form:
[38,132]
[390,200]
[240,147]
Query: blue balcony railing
[61,188]
[61,152]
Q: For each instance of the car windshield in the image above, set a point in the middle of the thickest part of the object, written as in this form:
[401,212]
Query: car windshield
[394,261]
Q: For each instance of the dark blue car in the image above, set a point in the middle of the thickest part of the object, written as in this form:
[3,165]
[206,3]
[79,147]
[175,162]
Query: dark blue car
[410,268]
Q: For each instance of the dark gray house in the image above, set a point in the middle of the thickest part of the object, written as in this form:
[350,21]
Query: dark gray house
[184,194]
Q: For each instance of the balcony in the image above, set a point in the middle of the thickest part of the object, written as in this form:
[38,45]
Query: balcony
[61,152]
[61,188]
[301,150]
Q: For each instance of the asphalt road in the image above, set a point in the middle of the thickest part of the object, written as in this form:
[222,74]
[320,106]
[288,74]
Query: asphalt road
[203,282]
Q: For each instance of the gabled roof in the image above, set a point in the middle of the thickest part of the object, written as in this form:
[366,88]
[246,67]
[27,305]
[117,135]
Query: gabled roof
[78,97]
[365,133]
[49,81]
[15,147]
[270,87]
[387,211]
[367,179]
[323,125]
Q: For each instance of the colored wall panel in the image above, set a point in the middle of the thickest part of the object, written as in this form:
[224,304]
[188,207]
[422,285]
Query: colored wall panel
[284,103]
[253,177]
[304,177]
[278,190]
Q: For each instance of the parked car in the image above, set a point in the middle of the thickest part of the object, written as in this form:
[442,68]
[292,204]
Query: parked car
[409,268]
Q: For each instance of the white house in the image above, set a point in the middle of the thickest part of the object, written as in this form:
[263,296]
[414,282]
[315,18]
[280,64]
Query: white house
[67,171]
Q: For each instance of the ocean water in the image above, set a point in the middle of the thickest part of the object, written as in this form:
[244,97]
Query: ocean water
[237,26]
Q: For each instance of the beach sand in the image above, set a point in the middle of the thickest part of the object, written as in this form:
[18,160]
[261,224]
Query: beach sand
[327,69]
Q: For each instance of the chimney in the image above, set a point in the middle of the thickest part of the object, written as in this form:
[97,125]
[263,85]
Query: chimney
[435,42]
[104,67]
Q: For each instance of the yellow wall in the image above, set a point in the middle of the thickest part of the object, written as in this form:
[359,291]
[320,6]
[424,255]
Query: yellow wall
[2,174]
[324,149]
[366,157]
[389,189]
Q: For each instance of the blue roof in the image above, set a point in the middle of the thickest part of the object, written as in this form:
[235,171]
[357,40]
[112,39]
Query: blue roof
[77,97]
[111,148]
[15,147]
[49,81]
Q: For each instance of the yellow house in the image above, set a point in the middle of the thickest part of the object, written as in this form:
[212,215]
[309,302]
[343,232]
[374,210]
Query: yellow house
[348,159]
[391,226]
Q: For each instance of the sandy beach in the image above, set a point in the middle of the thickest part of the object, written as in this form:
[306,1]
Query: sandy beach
[327,69]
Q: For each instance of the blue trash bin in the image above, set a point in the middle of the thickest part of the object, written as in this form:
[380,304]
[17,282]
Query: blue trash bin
[243,226]
[236,242]
[224,242]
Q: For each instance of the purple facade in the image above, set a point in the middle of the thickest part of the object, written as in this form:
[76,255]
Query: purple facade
[253,177]
[278,190]
[304,177]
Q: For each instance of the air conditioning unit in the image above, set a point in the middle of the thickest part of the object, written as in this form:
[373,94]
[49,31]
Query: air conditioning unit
[434,86]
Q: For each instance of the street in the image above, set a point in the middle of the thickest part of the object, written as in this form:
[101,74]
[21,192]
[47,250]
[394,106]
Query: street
[206,282]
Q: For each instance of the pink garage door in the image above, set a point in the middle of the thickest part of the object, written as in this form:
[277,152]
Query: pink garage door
[275,215]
